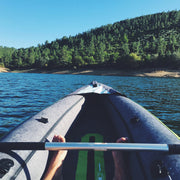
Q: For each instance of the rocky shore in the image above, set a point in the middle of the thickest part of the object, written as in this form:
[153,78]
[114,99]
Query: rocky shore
[104,72]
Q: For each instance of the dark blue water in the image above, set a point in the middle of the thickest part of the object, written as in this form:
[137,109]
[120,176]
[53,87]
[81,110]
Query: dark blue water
[23,95]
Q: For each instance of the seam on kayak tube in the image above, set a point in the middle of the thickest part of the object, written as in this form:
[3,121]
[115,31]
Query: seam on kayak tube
[42,140]
[131,137]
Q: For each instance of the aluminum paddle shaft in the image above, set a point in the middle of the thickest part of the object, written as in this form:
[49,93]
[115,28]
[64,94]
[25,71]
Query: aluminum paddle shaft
[107,146]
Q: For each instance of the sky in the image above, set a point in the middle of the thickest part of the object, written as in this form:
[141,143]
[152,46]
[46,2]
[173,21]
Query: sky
[25,23]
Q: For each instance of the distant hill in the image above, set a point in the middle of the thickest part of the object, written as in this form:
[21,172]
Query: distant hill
[151,41]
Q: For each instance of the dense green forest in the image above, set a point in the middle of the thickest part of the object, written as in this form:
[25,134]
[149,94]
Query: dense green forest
[151,41]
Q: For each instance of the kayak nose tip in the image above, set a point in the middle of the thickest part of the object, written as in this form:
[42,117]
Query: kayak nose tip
[94,83]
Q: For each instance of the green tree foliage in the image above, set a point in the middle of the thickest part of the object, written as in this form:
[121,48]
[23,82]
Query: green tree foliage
[6,56]
[146,41]
[78,61]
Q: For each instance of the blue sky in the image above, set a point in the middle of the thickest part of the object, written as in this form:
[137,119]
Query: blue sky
[25,23]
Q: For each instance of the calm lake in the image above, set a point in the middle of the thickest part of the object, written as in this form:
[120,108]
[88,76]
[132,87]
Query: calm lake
[24,94]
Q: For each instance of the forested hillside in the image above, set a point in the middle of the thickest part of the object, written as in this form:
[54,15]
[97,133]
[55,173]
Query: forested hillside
[151,41]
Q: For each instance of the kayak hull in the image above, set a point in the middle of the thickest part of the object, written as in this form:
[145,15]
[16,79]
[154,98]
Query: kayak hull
[100,113]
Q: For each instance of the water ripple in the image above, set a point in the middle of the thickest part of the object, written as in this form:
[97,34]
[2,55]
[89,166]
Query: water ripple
[23,95]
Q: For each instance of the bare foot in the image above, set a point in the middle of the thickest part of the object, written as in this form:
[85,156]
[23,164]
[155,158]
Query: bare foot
[57,159]
[119,163]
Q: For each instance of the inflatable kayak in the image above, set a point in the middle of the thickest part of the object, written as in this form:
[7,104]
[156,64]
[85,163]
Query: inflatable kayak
[93,113]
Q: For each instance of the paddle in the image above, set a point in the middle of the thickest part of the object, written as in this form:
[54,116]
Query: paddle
[54,146]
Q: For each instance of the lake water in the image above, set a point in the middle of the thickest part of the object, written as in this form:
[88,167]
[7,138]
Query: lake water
[22,95]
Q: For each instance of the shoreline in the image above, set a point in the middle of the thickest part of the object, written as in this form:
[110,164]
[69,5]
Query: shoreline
[103,72]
